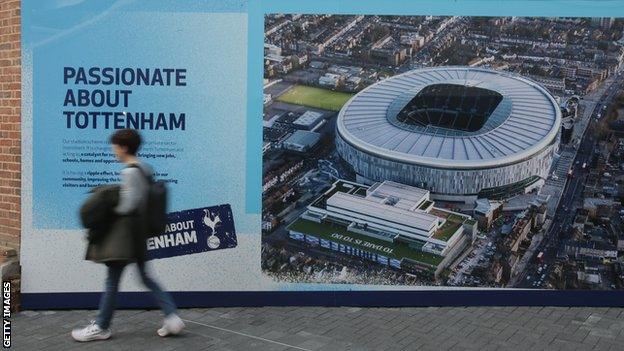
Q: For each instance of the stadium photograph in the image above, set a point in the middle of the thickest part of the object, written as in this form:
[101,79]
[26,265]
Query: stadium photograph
[443,151]
[460,132]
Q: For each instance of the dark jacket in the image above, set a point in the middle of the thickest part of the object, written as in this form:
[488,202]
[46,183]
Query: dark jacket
[96,213]
[111,237]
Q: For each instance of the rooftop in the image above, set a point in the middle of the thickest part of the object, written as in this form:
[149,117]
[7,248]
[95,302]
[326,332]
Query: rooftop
[409,195]
[392,203]
[446,231]
[369,207]
[303,138]
[484,206]
[308,118]
[475,118]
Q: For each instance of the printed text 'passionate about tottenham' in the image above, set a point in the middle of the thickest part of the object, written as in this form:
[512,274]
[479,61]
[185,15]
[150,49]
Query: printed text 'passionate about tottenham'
[99,88]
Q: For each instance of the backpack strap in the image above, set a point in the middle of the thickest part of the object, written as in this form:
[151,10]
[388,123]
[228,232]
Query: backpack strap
[150,179]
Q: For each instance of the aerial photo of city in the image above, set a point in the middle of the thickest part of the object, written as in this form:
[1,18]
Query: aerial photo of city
[443,151]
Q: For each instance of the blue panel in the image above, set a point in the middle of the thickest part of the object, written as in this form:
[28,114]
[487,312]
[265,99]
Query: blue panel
[337,298]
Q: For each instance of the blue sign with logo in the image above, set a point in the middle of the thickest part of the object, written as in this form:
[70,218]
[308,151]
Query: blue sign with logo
[194,231]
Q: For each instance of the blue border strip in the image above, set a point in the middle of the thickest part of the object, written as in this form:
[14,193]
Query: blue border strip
[255,55]
[450,298]
[522,8]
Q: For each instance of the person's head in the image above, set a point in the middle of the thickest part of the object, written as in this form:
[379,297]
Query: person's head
[125,143]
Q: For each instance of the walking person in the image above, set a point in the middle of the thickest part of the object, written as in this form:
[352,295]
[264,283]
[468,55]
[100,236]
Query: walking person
[125,242]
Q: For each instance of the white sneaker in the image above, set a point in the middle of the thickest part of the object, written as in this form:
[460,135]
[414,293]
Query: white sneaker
[91,332]
[172,325]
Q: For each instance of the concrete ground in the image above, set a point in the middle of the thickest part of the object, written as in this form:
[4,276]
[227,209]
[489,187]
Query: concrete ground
[348,328]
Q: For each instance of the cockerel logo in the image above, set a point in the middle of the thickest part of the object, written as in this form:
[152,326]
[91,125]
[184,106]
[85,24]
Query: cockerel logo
[213,241]
[211,222]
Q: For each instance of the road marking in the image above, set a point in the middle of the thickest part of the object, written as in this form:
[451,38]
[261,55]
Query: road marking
[247,335]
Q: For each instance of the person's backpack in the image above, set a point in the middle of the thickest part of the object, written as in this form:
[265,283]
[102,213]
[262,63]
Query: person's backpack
[156,211]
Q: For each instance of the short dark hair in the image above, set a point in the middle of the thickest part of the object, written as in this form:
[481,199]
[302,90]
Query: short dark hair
[129,138]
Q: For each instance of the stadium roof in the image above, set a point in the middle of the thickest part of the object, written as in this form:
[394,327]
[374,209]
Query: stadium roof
[399,118]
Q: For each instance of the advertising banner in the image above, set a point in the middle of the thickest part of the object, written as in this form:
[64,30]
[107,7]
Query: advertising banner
[333,151]
[194,231]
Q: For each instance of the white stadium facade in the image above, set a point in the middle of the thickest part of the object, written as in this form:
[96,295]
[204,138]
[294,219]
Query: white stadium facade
[459,132]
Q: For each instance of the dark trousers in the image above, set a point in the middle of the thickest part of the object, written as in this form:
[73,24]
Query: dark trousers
[109,297]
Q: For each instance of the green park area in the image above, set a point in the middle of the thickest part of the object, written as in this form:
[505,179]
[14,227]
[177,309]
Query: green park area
[452,224]
[315,97]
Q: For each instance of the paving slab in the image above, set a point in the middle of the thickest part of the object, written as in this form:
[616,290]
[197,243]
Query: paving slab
[335,329]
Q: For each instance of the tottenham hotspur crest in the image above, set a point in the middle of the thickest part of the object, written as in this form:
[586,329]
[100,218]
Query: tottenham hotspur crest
[210,222]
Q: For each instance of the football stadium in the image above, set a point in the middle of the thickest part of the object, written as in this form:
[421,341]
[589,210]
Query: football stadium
[460,132]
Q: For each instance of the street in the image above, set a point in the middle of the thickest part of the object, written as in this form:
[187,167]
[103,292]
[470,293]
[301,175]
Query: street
[571,195]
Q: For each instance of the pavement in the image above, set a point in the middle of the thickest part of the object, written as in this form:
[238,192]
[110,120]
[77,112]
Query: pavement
[345,328]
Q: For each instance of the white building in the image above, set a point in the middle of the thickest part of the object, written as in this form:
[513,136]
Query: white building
[270,49]
[301,141]
[394,212]
[309,120]
[413,39]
